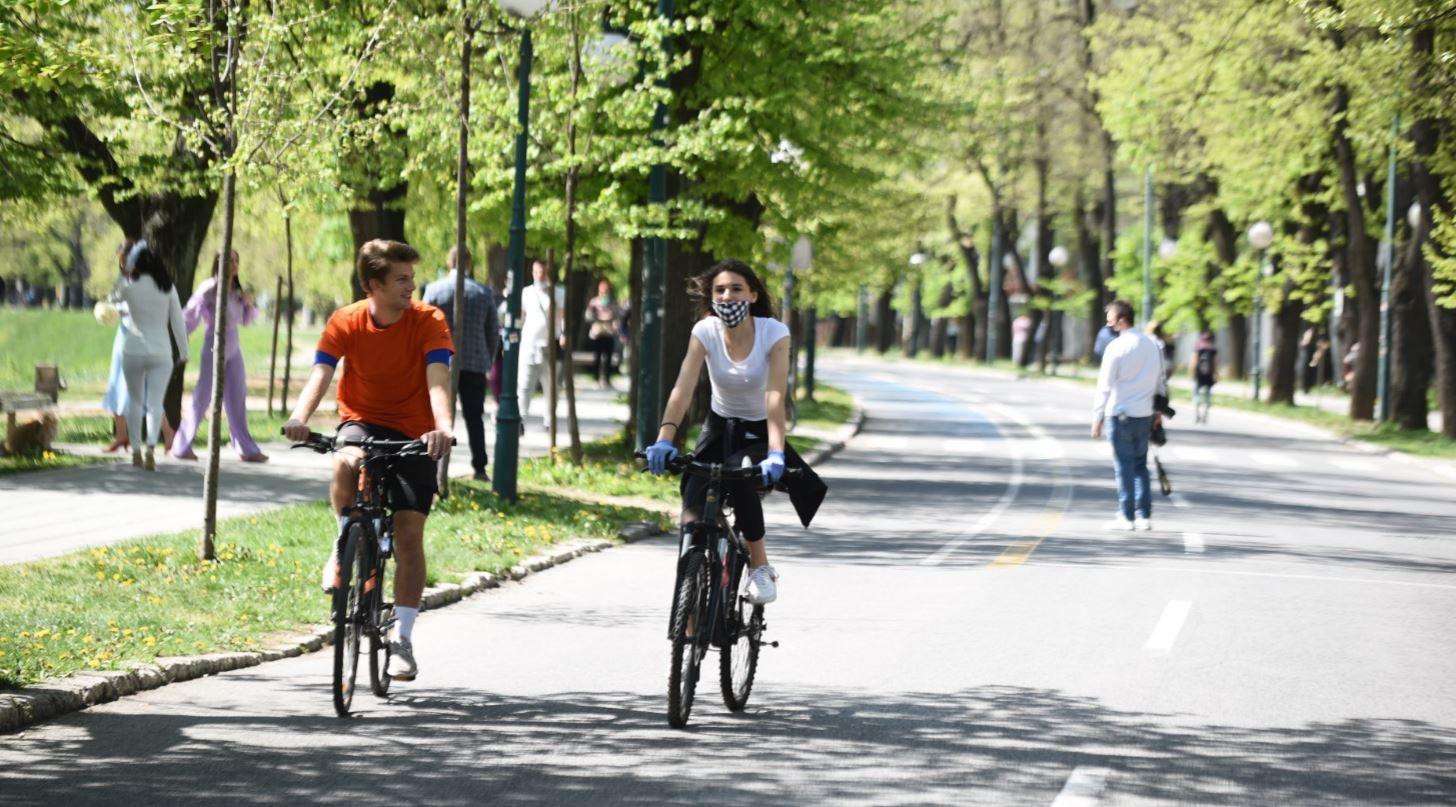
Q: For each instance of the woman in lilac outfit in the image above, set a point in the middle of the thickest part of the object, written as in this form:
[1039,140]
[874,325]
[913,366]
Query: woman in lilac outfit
[241,311]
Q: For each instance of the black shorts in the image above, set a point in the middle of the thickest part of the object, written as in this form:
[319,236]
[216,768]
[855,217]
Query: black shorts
[1201,381]
[414,484]
[720,439]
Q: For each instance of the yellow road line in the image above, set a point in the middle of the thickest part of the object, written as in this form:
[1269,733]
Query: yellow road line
[1017,553]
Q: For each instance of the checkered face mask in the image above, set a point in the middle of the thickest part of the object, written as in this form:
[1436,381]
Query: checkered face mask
[732,313]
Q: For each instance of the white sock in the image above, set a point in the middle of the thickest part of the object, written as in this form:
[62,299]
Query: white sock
[342,521]
[406,617]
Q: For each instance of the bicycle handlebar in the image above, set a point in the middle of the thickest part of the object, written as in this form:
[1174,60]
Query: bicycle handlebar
[687,462]
[323,444]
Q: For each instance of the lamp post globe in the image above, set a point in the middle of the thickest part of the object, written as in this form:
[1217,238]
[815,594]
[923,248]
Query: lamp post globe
[1261,235]
[1168,249]
[523,9]
[1058,256]
[609,57]
[1413,215]
[917,258]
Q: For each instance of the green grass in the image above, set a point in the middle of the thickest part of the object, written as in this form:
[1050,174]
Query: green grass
[81,347]
[99,428]
[1387,435]
[135,601]
[48,461]
[831,407]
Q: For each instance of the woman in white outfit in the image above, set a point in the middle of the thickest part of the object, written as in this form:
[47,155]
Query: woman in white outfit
[152,321]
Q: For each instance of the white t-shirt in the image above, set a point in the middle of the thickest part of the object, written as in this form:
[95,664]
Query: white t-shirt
[150,314]
[739,387]
[534,307]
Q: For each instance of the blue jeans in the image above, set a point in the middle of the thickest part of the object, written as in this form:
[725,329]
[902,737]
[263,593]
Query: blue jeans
[1129,438]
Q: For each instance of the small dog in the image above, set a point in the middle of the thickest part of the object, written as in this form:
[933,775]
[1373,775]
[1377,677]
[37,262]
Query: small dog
[34,437]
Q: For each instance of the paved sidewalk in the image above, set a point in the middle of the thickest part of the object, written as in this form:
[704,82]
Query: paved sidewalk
[55,512]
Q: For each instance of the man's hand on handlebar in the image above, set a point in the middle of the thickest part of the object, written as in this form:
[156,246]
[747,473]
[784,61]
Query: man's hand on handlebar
[436,442]
[295,430]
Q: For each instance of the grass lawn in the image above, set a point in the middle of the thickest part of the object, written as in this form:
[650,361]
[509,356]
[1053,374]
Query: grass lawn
[49,461]
[98,429]
[107,607]
[1417,443]
[81,347]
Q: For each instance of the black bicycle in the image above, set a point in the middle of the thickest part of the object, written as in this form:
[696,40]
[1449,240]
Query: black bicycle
[710,607]
[365,544]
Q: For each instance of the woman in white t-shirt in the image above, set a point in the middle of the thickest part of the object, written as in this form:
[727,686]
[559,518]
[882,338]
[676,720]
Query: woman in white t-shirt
[747,354]
[154,334]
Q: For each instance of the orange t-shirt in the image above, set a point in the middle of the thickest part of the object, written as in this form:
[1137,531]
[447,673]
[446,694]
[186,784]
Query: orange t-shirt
[384,368]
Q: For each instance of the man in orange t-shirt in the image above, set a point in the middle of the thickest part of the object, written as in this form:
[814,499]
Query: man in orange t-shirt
[395,386]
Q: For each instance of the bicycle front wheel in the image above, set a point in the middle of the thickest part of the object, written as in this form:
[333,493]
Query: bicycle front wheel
[348,617]
[690,631]
[738,662]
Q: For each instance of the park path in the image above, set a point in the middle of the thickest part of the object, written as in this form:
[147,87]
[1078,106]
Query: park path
[54,512]
[955,629]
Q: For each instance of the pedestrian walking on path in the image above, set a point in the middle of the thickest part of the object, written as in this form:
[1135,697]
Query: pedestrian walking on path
[603,317]
[1205,374]
[202,308]
[395,386]
[475,345]
[1132,373]
[152,318]
[535,334]
[747,353]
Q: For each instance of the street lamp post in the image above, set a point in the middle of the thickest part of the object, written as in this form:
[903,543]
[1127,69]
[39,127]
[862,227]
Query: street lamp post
[917,259]
[1147,244]
[993,296]
[1387,260]
[654,273]
[1261,237]
[508,418]
[1058,257]
[861,319]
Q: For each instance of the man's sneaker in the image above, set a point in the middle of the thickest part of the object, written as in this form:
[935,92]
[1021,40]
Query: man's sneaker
[482,476]
[1143,524]
[1118,524]
[761,585]
[402,660]
[329,580]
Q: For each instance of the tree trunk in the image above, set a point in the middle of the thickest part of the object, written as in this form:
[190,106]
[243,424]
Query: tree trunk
[634,328]
[288,338]
[1224,237]
[1284,365]
[973,321]
[377,210]
[1411,353]
[1360,252]
[885,320]
[940,326]
[1431,195]
[273,351]
[1088,260]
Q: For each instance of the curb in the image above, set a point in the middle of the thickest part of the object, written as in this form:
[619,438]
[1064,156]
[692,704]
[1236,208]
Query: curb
[54,697]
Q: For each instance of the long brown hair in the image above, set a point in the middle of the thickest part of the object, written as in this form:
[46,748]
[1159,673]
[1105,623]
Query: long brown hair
[217,261]
[700,288]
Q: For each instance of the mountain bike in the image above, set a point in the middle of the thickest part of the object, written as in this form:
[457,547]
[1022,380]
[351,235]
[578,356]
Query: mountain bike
[365,544]
[710,607]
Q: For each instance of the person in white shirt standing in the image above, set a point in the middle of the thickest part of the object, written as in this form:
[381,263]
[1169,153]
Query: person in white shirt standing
[153,326]
[1132,373]
[535,335]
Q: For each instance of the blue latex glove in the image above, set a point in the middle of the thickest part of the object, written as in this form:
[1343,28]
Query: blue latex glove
[772,467]
[659,454]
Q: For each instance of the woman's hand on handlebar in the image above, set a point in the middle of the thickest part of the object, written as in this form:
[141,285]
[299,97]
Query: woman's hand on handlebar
[659,454]
[772,468]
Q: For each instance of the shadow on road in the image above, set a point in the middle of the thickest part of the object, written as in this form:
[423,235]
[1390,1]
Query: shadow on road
[991,744]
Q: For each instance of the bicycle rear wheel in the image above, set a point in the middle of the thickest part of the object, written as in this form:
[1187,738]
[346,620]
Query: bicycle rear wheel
[738,662]
[382,616]
[690,630]
[348,617]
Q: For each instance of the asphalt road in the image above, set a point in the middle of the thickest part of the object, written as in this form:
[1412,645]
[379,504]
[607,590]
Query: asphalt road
[956,629]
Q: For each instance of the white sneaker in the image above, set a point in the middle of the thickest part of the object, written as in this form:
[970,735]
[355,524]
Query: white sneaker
[1143,524]
[1118,524]
[329,579]
[761,585]
[402,665]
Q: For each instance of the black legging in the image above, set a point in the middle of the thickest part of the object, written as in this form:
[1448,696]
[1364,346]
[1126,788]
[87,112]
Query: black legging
[602,349]
[713,447]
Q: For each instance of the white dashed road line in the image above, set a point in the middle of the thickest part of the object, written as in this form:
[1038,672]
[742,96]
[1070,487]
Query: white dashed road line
[1193,543]
[1269,459]
[1178,500]
[1083,787]
[1165,633]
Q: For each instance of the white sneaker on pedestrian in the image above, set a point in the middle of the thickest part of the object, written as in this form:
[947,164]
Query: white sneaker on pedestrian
[1143,524]
[762,588]
[1118,524]
[402,665]
[329,579]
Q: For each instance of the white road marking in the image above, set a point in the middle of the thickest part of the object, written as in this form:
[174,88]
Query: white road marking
[1083,787]
[1353,464]
[1192,542]
[1013,487]
[1271,460]
[1165,633]
[1177,500]
[1202,569]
